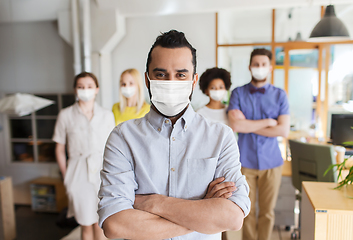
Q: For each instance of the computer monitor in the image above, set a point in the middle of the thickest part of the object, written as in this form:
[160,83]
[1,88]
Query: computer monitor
[341,129]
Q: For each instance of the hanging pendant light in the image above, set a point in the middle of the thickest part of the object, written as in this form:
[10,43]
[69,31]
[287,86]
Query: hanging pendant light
[298,38]
[329,28]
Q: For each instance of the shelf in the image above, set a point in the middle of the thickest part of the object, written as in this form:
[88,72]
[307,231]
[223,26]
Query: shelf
[48,195]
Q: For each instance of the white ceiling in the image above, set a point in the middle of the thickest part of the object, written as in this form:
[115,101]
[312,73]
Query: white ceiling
[31,10]
[41,10]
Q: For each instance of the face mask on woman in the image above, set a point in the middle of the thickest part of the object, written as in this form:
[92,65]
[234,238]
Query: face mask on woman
[217,95]
[170,97]
[86,94]
[128,92]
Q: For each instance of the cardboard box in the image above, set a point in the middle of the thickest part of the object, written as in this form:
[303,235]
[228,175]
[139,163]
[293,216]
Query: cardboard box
[7,210]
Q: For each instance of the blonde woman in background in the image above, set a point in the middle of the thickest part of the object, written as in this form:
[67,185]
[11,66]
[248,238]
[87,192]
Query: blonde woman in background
[132,102]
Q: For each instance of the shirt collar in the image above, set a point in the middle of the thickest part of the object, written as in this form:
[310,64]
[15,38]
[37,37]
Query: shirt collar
[157,120]
[266,86]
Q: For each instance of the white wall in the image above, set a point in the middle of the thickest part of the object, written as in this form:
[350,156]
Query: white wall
[33,59]
[141,33]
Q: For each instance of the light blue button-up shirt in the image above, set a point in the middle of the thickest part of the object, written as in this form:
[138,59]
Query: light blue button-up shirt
[149,155]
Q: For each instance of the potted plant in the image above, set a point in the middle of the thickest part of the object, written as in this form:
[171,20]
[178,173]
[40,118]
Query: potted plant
[347,182]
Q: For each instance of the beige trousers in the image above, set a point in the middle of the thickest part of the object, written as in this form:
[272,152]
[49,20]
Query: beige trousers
[266,183]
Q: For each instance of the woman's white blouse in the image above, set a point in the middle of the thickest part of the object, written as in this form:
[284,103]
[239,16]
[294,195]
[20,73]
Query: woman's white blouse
[217,115]
[83,137]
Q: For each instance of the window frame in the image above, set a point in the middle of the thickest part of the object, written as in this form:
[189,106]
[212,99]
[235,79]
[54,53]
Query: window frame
[9,140]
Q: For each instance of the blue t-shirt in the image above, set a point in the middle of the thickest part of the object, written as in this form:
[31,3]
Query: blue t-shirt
[256,151]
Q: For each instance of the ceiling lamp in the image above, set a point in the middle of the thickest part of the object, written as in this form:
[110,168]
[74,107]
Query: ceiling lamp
[329,28]
[298,38]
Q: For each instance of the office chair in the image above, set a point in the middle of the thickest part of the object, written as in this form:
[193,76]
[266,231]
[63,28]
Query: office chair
[309,163]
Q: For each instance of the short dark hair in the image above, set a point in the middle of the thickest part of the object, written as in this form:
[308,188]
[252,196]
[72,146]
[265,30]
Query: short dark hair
[83,75]
[213,73]
[172,39]
[261,51]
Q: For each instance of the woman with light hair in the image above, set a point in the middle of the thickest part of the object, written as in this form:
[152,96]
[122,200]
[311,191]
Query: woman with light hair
[81,131]
[132,102]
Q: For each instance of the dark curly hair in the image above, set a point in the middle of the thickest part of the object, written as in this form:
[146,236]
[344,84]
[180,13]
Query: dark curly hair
[213,73]
[172,39]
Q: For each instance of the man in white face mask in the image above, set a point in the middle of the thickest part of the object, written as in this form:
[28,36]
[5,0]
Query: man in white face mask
[259,112]
[172,173]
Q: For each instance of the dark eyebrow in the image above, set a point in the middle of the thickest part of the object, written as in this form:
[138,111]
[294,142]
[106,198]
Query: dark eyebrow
[164,70]
[159,70]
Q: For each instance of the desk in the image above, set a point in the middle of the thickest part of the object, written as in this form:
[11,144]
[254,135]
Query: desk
[325,213]
[287,169]
[298,135]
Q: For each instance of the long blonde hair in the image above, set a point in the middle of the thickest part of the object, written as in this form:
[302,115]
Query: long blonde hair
[140,96]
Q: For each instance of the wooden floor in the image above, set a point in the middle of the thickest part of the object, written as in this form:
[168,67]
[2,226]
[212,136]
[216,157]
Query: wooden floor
[37,226]
[278,233]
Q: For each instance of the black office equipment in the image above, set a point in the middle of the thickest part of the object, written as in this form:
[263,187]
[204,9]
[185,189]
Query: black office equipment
[341,129]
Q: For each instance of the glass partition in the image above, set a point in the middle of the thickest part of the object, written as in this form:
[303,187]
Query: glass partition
[302,81]
[341,75]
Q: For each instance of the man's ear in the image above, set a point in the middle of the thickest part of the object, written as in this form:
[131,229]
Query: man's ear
[196,79]
[271,68]
[146,81]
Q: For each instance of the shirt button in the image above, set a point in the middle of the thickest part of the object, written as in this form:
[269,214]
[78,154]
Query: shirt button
[173,169]
[173,138]
[159,129]
[167,121]
[186,126]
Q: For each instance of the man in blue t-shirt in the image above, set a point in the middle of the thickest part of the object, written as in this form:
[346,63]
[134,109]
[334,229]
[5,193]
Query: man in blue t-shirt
[259,112]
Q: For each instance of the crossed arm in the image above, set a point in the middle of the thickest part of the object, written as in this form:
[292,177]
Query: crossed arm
[265,127]
[158,217]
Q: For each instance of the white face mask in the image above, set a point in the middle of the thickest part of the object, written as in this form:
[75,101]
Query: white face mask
[217,95]
[86,94]
[260,73]
[128,92]
[170,97]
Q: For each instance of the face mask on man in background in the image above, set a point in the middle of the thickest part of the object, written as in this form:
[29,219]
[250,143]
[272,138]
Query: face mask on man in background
[260,73]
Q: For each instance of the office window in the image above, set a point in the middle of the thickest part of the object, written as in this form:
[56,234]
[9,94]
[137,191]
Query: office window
[30,135]
[341,77]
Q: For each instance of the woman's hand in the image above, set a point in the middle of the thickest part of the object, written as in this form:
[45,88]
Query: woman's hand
[61,158]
